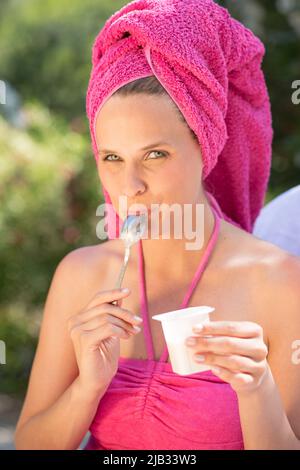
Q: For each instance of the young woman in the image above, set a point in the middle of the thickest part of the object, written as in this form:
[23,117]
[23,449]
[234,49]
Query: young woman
[93,370]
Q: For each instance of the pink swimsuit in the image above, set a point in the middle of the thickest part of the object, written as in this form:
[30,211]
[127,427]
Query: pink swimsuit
[148,406]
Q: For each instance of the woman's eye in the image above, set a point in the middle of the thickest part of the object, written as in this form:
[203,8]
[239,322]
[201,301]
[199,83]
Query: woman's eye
[162,154]
[158,151]
[110,160]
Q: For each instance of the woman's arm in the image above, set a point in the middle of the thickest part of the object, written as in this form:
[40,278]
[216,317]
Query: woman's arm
[58,409]
[264,421]
[270,415]
[64,424]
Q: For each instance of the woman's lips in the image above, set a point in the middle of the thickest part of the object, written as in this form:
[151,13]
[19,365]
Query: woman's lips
[139,212]
[143,211]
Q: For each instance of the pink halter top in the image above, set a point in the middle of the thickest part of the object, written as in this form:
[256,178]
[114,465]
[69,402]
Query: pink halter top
[148,406]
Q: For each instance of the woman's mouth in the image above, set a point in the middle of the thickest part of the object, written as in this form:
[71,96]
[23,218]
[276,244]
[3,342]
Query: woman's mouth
[146,211]
[139,212]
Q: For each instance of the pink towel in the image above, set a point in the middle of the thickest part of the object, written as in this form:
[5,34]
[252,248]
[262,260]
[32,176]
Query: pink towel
[210,65]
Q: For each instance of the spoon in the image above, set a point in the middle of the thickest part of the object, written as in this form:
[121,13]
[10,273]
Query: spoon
[132,231]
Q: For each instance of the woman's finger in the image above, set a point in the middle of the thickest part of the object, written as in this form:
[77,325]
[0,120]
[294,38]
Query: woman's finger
[250,347]
[233,363]
[106,296]
[100,320]
[241,329]
[105,310]
[238,380]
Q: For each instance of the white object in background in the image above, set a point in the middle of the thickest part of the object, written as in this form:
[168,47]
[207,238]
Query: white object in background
[279,221]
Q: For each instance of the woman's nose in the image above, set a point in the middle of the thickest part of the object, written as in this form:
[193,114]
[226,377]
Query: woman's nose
[133,185]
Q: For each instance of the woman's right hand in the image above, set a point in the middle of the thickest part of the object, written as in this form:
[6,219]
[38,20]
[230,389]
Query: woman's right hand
[95,332]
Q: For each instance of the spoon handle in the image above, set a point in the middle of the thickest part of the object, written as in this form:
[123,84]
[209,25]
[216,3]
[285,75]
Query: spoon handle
[122,272]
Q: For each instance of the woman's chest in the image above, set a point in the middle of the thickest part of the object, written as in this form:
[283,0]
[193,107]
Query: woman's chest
[231,301]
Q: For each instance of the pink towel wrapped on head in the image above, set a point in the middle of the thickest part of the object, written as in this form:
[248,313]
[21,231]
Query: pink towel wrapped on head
[210,65]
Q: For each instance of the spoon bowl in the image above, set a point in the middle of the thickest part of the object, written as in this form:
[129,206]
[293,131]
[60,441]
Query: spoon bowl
[132,231]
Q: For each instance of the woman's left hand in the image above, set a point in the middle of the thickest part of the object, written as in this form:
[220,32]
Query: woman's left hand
[236,351]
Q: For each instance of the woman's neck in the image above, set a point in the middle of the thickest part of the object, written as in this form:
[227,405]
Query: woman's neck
[177,259]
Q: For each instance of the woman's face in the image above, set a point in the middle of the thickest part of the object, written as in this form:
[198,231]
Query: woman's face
[169,171]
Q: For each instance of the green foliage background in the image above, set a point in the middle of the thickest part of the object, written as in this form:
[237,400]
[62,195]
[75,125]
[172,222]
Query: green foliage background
[49,188]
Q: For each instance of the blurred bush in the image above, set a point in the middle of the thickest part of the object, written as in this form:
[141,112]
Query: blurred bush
[46,49]
[48,199]
[19,330]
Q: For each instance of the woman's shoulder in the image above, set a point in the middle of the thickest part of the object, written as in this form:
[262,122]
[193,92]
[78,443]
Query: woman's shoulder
[267,266]
[276,280]
[272,277]
[263,255]
[90,268]
[278,300]
[90,257]
[273,261]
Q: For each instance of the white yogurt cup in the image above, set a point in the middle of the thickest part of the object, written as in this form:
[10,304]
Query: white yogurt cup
[177,326]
